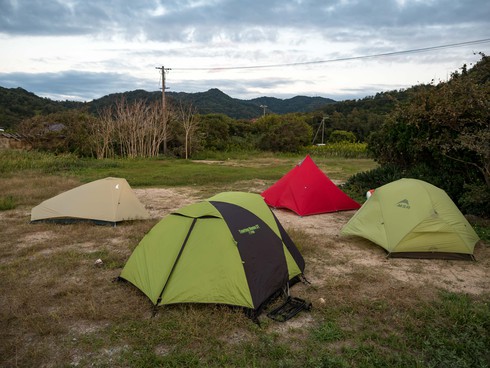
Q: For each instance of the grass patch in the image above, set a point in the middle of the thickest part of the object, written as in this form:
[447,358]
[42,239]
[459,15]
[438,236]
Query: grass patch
[455,331]
[161,172]
[7,203]
[328,332]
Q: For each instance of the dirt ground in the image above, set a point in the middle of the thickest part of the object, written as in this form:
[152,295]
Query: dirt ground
[337,255]
[341,271]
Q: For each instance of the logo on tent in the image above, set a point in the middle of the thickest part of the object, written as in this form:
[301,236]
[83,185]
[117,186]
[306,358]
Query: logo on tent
[250,230]
[403,204]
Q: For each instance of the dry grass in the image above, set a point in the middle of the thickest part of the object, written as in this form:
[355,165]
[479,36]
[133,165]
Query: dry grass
[59,309]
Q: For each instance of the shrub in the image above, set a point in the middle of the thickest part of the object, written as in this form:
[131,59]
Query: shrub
[476,200]
[358,184]
[338,136]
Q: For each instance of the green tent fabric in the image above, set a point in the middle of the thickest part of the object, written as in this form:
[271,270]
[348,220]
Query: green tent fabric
[412,218]
[229,249]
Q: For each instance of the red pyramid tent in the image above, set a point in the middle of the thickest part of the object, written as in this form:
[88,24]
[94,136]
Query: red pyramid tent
[306,190]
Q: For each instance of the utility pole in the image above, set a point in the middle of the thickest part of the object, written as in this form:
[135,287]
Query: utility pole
[164,109]
[264,107]
[322,127]
[163,69]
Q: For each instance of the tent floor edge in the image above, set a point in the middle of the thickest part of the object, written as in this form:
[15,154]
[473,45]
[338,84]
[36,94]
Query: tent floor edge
[433,255]
[73,220]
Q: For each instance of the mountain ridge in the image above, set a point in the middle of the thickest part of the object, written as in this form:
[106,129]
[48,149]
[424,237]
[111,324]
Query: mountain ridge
[215,101]
[17,104]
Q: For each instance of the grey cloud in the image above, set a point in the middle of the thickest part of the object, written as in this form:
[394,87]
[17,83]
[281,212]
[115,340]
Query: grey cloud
[237,20]
[85,86]
[73,85]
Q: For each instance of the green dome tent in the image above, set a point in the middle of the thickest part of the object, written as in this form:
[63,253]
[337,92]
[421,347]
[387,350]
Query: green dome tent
[229,249]
[412,218]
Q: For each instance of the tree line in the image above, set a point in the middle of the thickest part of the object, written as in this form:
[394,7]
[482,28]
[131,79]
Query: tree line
[141,129]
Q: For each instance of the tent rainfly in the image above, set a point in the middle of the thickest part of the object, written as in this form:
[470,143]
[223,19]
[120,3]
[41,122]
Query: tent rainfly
[108,200]
[306,190]
[412,218]
[229,249]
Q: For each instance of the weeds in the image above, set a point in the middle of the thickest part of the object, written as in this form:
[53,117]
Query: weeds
[339,149]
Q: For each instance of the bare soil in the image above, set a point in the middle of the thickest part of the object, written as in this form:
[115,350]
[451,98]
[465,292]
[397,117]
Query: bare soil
[337,256]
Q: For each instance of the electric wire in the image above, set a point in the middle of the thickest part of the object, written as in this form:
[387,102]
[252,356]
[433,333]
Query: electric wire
[350,58]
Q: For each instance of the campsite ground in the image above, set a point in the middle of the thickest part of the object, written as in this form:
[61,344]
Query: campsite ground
[337,256]
[59,308]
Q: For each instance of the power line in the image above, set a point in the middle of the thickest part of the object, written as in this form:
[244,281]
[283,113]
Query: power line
[394,53]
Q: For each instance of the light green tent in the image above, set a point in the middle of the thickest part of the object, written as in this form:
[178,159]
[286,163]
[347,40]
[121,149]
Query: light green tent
[108,200]
[229,249]
[412,218]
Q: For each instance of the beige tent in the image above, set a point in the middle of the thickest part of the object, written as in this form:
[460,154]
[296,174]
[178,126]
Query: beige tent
[106,200]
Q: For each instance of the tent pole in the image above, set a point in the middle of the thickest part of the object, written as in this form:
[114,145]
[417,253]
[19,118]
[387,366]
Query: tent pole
[176,260]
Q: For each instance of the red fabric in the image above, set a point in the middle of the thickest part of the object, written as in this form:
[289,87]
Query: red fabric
[306,190]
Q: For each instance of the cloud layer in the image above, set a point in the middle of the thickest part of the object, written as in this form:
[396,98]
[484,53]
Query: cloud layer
[85,49]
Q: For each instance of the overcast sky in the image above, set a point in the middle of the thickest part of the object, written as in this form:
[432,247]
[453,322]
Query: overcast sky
[85,49]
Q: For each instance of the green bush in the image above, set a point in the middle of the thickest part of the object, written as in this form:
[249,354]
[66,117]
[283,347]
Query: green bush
[358,184]
[338,136]
[476,200]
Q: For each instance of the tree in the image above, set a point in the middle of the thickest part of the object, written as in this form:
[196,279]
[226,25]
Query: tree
[285,133]
[442,132]
[462,111]
[215,130]
[341,136]
[102,133]
[187,116]
[133,129]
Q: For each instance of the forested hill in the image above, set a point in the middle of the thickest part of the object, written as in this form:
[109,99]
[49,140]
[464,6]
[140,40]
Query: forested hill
[17,104]
[215,101]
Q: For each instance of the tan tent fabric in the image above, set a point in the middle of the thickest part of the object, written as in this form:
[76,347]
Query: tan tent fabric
[109,199]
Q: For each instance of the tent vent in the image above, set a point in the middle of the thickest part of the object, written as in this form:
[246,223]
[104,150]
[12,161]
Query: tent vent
[291,307]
